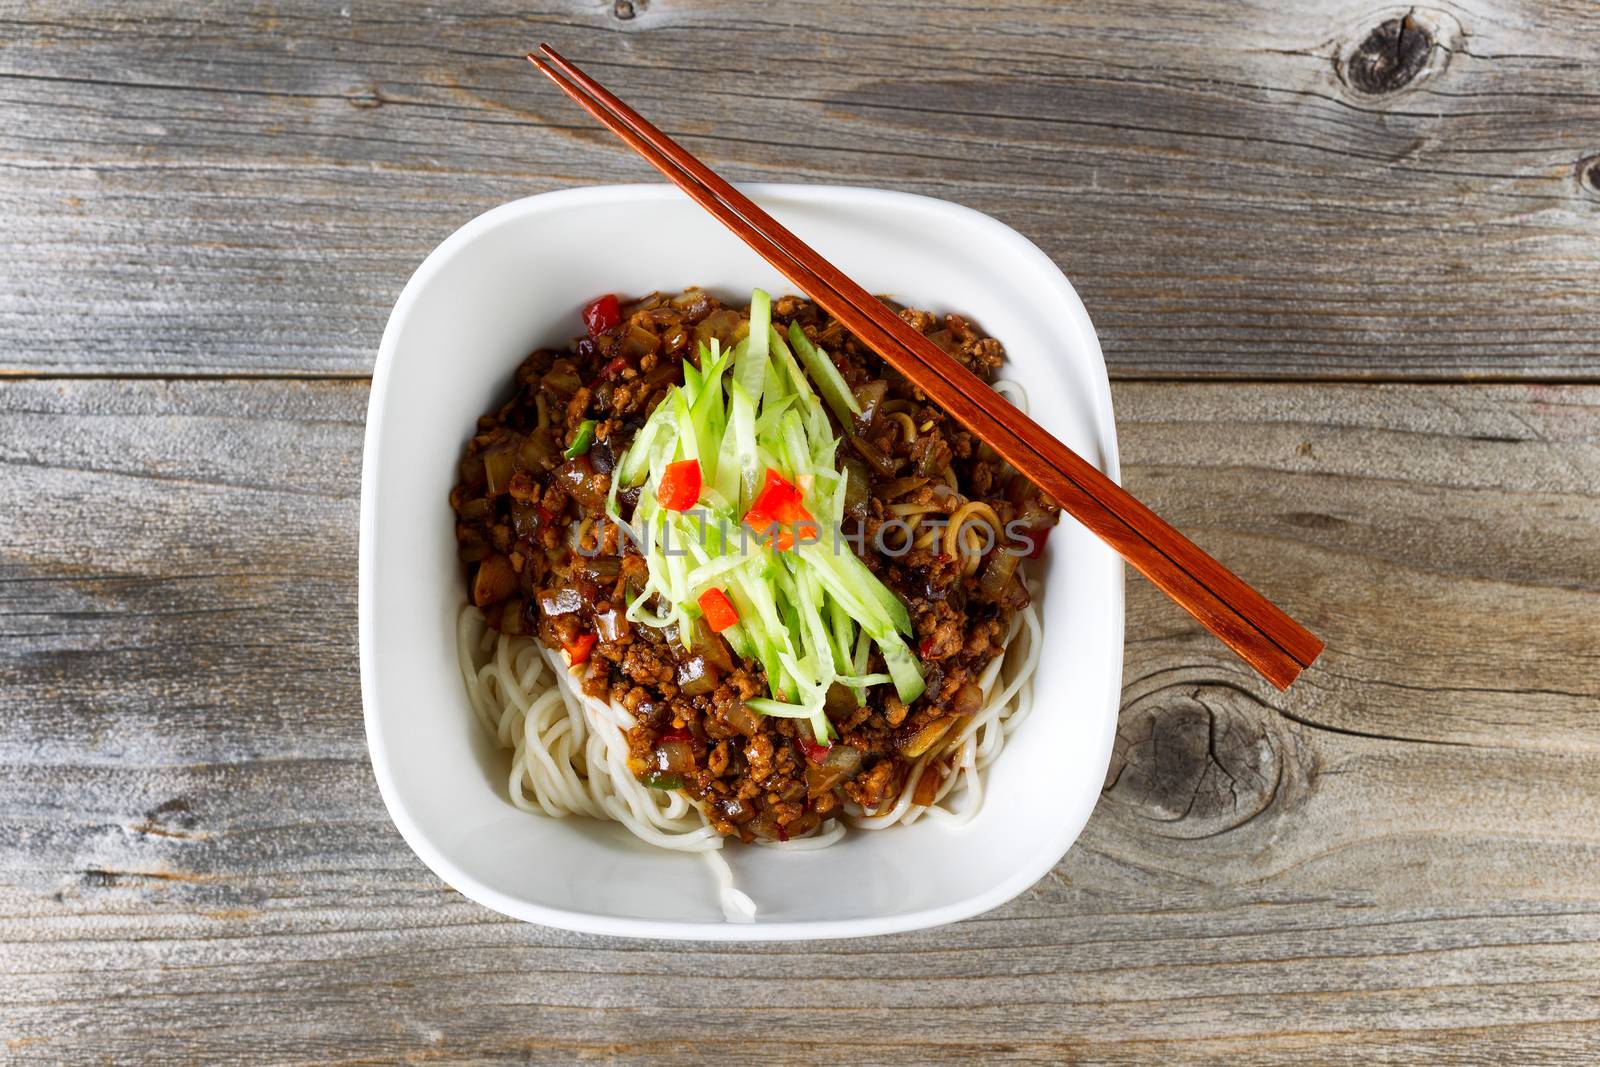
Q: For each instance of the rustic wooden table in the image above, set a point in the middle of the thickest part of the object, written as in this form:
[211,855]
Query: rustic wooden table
[1345,267]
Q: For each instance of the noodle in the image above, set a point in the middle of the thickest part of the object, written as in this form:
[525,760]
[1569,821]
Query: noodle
[963,536]
[909,428]
[570,752]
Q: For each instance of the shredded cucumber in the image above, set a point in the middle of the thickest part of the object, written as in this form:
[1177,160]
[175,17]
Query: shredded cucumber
[830,383]
[809,616]
[750,357]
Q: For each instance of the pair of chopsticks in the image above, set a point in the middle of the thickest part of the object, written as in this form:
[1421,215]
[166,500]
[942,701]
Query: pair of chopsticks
[1266,638]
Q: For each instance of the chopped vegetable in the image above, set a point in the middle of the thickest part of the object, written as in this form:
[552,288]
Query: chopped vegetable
[830,383]
[748,437]
[928,736]
[996,573]
[742,719]
[496,579]
[611,624]
[695,676]
[813,752]
[658,780]
[579,647]
[867,398]
[780,504]
[601,314]
[718,609]
[679,487]
[581,442]
[778,501]
[497,470]
[563,601]
[1039,535]
[674,756]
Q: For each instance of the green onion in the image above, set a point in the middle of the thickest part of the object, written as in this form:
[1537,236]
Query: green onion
[658,780]
[580,444]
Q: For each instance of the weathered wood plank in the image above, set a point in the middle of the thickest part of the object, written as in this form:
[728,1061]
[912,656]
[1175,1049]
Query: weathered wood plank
[248,192]
[1396,860]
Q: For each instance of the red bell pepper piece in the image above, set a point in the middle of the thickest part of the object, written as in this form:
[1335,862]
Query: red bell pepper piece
[601,313]
[780,503]
[1039,535]
[580,647]
[814,752]
[719,611]
[680,485]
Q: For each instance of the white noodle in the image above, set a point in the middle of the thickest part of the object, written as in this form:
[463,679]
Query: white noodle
[570,750]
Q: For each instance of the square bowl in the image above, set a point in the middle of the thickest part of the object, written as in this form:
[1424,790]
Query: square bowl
[513,280]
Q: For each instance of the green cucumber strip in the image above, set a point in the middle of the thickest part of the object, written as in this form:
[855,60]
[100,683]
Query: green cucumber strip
[796,456]
[863,595]
[773,389]
[869,585]
[739,467]
[864,611]
[903,666]
[810,406]
[750,359]
[784,359]
[810,617]
[830,383]
[820,643]
[636,460]
[856,682]
[778,709]
[709,574]
[688,446]
[771,413]
[844,634]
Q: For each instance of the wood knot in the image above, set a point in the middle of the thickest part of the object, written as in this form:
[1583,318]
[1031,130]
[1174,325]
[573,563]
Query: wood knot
[1589,175]
[1198,759]
[1391,56]
[627,9]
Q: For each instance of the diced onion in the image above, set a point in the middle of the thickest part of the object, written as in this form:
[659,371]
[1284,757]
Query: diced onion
[928,736]
[996,573]
[869,396]
[563,601]
[611,625]
[674,757]
[742,718]
[497,469]
[696,676]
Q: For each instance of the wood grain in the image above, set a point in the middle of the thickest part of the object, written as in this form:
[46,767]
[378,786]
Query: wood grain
[1397,861]
[1236,191]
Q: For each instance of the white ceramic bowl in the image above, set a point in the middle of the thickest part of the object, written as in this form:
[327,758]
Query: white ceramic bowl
[512,280]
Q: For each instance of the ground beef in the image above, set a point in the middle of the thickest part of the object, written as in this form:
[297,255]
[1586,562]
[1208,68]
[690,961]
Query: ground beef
[519,498]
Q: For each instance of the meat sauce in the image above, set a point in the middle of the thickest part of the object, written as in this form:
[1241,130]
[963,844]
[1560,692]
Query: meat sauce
[542,562]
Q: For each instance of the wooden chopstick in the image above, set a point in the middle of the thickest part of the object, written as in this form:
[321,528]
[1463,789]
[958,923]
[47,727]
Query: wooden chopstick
[1270,641]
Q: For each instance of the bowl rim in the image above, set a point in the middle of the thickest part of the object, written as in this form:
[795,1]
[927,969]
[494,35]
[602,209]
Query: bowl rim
[1024,877]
